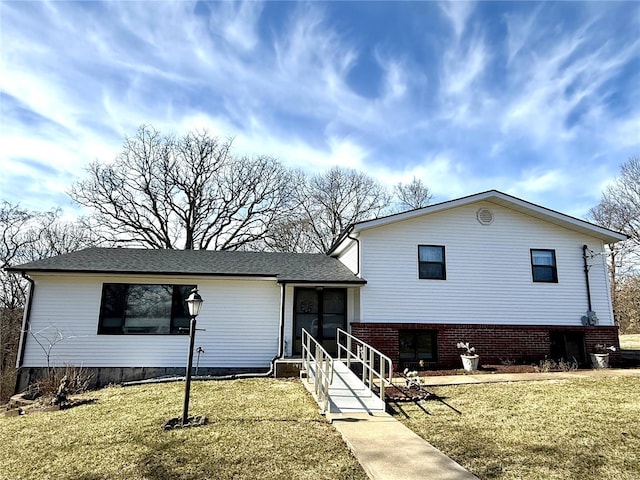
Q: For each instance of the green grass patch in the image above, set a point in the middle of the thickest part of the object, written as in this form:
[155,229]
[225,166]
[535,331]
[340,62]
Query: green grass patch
[569,429]
[258,429]
[630,342]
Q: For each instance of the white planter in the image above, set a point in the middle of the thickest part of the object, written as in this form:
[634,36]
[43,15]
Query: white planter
[470,362]
[600,360]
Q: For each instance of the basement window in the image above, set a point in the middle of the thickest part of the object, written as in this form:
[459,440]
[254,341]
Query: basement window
[134,309]
[416,345]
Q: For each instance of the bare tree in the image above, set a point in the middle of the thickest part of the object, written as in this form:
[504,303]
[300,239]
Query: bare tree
[412,195]
[627,301]
[619,209]
[291,233]
[189,193]
[26,236]
[329,202]
[621,200]
[19,230]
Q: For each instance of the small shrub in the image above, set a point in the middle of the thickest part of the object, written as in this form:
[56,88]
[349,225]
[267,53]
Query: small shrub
[79,380]
[546,366]
[568,365]
[549,365]
[507,362]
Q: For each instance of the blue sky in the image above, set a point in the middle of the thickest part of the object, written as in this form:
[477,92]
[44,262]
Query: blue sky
[539,100]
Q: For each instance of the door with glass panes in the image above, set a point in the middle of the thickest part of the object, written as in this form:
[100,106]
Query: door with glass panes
[320,311]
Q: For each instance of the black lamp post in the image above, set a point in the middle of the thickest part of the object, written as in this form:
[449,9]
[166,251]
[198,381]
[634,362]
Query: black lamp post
[195,304]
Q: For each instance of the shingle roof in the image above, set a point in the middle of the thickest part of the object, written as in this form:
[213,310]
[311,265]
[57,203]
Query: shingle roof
[286,267]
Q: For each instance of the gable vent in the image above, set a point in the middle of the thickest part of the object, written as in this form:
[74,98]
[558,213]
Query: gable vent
[485,216]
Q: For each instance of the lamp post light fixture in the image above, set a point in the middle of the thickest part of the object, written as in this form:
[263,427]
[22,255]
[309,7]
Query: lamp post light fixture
[194,302]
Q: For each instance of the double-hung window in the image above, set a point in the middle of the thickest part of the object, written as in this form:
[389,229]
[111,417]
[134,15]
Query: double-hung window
[431,262]
[543,266]
[144,309]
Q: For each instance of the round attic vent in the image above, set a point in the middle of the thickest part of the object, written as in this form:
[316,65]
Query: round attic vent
[485,216]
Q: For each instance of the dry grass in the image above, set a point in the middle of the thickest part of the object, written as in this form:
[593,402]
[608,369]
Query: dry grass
[578,429]
[630,342]
[259,429]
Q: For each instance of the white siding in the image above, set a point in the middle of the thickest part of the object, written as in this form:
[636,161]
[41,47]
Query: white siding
[488,270]
[349,257]
[241,319]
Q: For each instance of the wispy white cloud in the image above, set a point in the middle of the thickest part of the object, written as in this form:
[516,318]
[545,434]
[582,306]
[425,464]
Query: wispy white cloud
[458,14]
[522,29]
[551,84]
[463,104]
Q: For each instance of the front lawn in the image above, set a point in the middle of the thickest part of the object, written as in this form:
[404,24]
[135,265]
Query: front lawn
[583,429]
[259,429]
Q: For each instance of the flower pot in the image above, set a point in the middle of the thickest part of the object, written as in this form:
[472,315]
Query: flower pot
[600,360]
[470,362]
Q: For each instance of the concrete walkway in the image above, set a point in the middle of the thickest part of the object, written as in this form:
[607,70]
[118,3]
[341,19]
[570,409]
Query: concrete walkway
[387,450]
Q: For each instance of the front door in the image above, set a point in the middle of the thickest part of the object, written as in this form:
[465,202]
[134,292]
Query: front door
[320,311]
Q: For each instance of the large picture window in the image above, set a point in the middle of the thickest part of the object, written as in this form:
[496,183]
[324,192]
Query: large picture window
[144,309]
[431,265]
[543,266]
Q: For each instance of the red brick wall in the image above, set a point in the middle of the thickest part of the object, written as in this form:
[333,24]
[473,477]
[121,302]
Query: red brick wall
[494,343]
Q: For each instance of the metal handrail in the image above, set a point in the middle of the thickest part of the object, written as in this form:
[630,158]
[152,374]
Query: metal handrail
[366,355]
[323,368]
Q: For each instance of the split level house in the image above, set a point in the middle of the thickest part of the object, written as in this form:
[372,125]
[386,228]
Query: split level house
[518,281]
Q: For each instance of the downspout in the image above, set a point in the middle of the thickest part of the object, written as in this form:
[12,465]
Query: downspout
[357,252]
[586,274]
[234,376]
[26,326]
[283,302]
[26,320]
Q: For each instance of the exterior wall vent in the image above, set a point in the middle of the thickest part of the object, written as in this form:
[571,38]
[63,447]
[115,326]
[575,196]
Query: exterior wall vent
[484,216]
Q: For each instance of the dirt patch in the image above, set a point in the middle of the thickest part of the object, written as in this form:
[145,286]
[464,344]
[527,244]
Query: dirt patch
[174,423]
[42,405]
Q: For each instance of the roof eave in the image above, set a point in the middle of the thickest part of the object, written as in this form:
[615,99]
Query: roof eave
[137,272]
[357,281]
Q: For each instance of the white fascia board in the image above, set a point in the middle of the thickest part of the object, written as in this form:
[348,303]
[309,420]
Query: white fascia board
[346,241]
[148,277]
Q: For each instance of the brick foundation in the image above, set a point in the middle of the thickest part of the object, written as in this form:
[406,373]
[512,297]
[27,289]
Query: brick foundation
[494,343]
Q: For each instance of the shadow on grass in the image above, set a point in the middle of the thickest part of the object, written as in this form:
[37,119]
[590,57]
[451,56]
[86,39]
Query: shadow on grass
[159,462]
[422,395]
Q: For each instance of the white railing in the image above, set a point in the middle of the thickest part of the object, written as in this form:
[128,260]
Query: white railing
[319,364]
[355,350]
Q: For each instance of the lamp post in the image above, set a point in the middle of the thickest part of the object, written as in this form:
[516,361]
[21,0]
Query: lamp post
[194,303]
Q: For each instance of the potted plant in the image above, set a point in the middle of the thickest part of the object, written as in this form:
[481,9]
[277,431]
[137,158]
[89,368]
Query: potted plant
[600,356]
[470,358]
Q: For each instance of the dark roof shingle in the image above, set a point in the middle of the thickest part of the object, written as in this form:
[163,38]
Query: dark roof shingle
[286,267]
